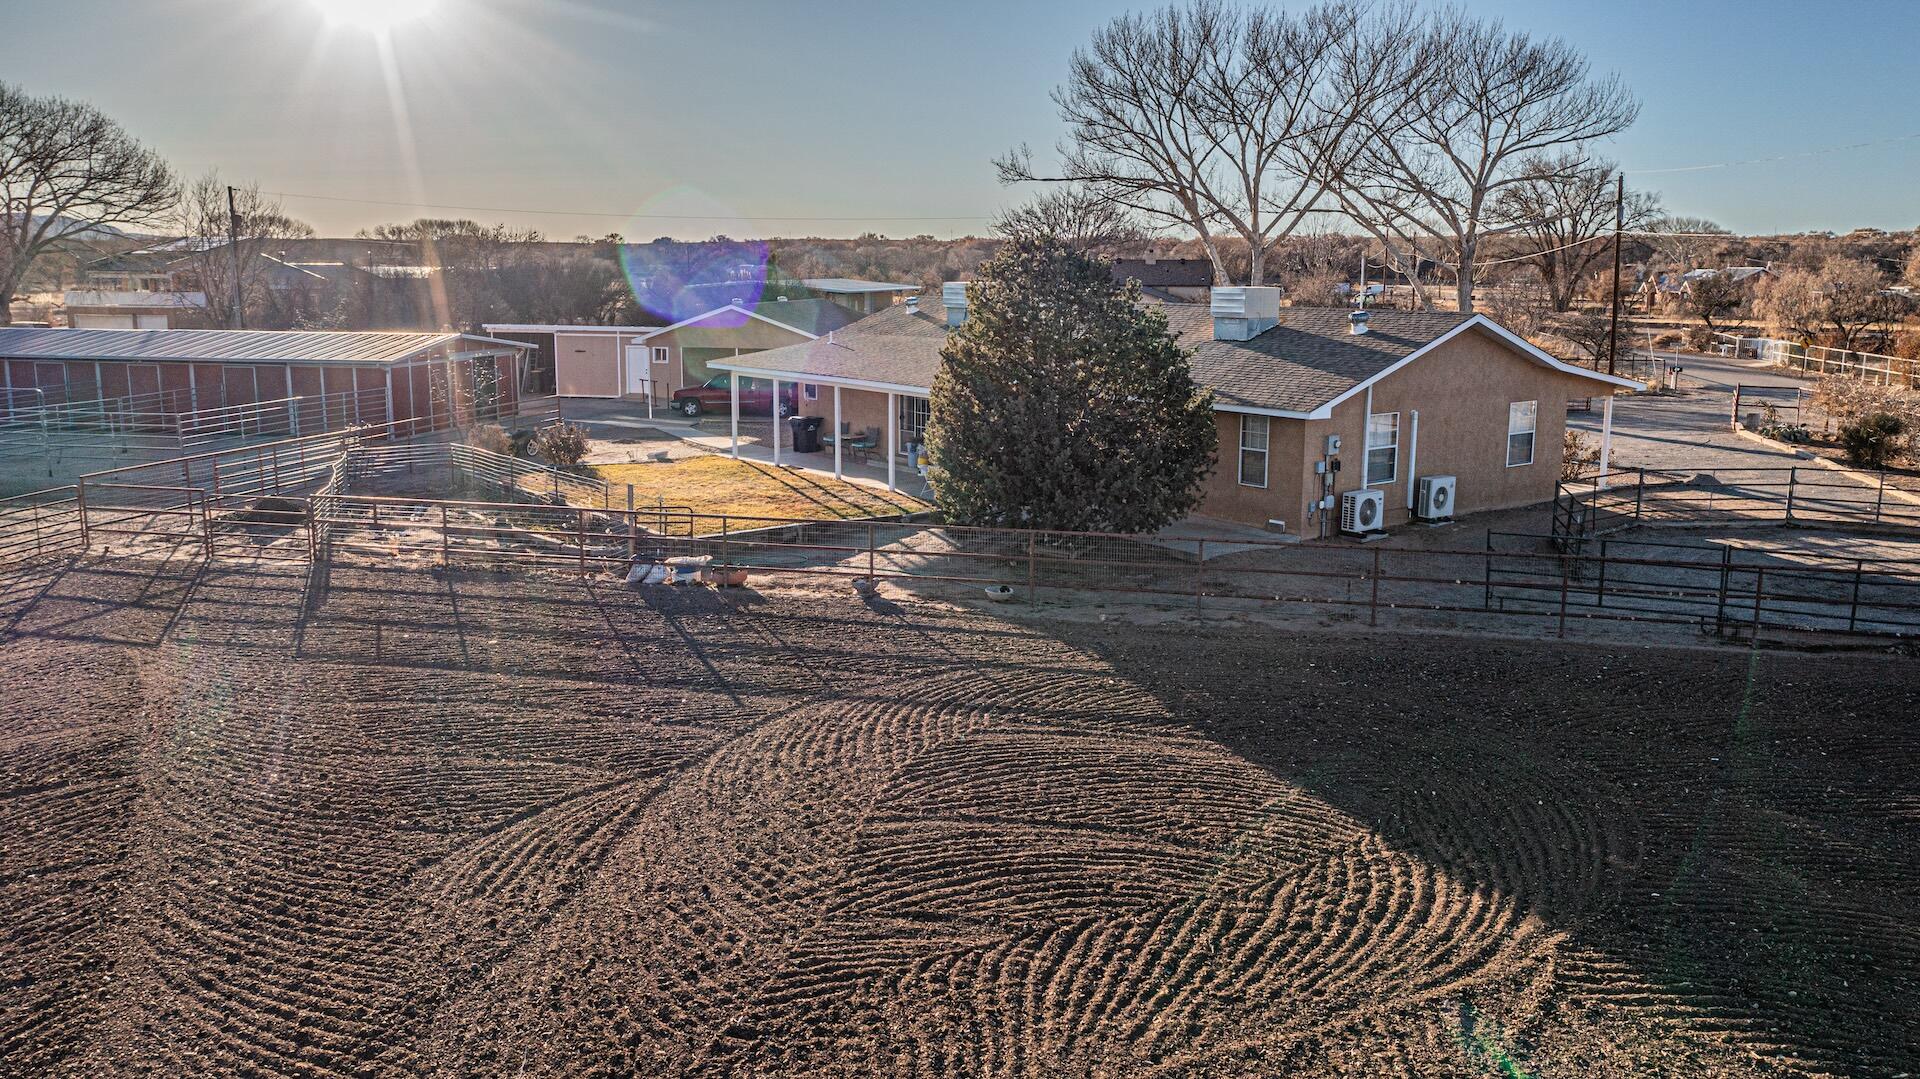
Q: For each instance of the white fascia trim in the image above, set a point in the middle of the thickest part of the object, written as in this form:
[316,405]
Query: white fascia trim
[1499,331]
[824,380]
[1324,412]
[731,307]
[522,345]
[514,327]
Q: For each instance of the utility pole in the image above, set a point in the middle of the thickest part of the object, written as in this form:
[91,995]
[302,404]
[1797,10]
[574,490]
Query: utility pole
[239,319]
[1619,223]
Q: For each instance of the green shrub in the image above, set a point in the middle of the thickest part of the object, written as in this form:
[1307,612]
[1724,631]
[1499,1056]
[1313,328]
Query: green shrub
[1871,440]
[563,444]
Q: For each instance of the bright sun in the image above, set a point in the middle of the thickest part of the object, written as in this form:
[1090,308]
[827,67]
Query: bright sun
[375,16]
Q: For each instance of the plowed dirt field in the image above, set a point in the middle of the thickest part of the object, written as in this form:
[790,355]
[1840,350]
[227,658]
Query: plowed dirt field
[524,825]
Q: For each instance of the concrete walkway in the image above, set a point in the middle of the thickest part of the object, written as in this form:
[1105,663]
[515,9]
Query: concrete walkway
[624,419]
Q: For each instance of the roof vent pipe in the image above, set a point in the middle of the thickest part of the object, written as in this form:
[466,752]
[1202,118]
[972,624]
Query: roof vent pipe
[954,295]
[1357,322]
[1244,312]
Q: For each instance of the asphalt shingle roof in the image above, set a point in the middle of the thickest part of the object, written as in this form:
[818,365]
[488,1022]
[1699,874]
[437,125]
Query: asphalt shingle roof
[1298,366]
[221,346]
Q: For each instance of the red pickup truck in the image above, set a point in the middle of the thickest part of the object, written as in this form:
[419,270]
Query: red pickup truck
[716,395]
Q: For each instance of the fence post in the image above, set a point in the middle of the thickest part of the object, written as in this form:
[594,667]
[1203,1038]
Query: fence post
[36,528]
[1759,577]
[215,465]
[1600,600]
[1639,493]
[869,550]
[1853,606]
[1030,568]
[1487,603]
[1565,575]
[80,502]
[1720,604]
[1880,496]
[1793,478]
[206,524]
[1199,573]
[581,515]
[1373,607]
[633,527]
[446,555]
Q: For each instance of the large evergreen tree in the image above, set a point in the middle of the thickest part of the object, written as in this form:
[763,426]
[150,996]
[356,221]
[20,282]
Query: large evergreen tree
[1065,403]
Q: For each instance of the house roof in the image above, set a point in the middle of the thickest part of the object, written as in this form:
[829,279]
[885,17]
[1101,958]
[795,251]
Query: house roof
[854,286]
[1302,367]
[812,318]
[553,327]
[231,346]
[116,298]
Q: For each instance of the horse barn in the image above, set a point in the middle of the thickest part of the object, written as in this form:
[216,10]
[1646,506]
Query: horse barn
[437,379]
[86,398]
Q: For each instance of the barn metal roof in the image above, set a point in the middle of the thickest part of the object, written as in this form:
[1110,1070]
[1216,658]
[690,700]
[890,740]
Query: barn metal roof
[230,346]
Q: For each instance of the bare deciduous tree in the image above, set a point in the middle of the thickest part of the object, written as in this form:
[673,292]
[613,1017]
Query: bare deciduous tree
[1435,161]
[1077,219]
[1687,242]
[1225,122]
[68,171]
[1845,296]
[214,259]
[1559,211]
[1707,298]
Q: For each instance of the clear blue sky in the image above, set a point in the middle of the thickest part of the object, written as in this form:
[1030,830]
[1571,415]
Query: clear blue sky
[751,114]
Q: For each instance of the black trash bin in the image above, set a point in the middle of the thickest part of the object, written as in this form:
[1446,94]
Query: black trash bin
[806,433]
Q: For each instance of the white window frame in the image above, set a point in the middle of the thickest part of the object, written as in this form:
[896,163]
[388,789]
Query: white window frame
[1265,449]
[1532,430]
[659,354]
[810,391]
[916,413]
[1366,457]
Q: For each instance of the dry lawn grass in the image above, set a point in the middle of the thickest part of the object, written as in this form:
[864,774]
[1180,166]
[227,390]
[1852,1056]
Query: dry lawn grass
[745,489]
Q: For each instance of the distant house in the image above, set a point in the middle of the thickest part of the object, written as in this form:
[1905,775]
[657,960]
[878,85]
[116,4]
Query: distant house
[1309,404]
[864,297]
[637,361]
[1167,279]
[118,309]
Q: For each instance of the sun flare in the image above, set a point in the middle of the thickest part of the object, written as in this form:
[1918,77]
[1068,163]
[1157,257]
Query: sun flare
[375,16]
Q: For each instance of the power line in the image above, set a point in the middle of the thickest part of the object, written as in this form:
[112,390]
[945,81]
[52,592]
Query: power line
[1777,157]
[604,213]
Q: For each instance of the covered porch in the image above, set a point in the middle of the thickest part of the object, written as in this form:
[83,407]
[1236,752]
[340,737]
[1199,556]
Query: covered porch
[868,427]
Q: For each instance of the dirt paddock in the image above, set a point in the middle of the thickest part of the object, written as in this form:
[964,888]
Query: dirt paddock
[477,824]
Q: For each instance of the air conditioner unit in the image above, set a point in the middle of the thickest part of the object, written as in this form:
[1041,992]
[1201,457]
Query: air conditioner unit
[1362,512]
[1433,499]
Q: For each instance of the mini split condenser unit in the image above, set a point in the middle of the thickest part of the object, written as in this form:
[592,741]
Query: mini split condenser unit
[1433,499]
[1362,512]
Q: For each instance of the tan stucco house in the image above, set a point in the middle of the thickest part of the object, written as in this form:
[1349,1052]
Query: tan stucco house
[642,361]
[1310,403]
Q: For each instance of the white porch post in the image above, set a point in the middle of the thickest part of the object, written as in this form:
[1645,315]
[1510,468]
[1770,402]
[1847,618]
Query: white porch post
[775,410]
[838,437]
[893,434]
[733,383]
[1413,456]
[1606,439]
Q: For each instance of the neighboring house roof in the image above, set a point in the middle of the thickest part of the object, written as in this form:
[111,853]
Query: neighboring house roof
[223,346]
[110,298]
[812,318]
[1301,368]
[1738,273]
[1165,273]
[851,286]
[554,327]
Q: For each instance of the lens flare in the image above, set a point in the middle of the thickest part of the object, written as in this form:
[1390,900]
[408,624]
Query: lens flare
[675,279]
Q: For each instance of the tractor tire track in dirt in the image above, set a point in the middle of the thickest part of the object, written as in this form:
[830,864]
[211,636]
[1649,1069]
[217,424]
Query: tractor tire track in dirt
[483,824]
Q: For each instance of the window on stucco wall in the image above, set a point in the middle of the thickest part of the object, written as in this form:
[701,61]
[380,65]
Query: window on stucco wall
[1383,448]
[1523,418]
[1253,450]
